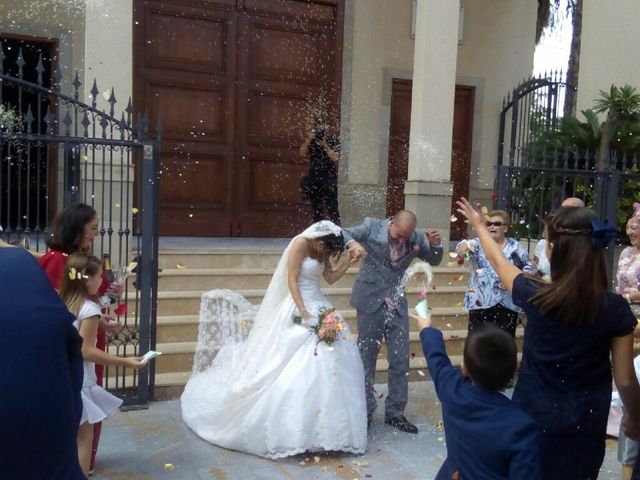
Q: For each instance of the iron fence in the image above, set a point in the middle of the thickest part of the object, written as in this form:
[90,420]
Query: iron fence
[529,191]
[533,106]
[54,150]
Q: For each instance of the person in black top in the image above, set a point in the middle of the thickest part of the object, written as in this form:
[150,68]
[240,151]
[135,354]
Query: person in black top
[320,186]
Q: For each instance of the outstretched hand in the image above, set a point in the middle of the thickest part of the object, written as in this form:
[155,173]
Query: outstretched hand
[421,322]
[472,215]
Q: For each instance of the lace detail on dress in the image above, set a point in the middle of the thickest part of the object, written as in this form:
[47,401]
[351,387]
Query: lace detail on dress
[225,319]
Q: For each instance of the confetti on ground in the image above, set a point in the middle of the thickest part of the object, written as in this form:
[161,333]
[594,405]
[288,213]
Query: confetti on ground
[440,439]
[452,264]
[453,219]
[440,426]
[448,324]
[421,373]
[457,279]
[459,304]
[134,210]
[169,467]
[180,266]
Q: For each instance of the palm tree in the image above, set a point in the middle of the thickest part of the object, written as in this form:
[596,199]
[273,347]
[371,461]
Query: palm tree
[622,106]
[549,15]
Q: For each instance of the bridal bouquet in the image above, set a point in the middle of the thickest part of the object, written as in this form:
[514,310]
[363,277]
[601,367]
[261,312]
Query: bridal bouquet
[328,327]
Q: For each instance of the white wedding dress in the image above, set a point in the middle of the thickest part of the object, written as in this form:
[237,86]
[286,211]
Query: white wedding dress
[281,393]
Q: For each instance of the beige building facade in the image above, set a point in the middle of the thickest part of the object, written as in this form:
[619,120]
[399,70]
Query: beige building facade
[487,45]
[609,48]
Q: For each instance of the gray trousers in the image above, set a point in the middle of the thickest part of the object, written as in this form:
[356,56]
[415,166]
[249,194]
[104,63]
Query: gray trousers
[394,327]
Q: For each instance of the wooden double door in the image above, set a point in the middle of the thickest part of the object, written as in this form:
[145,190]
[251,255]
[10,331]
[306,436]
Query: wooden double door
[398,159]
[235,84]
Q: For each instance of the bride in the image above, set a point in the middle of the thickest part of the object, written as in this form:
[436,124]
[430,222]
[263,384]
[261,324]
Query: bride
[280,392]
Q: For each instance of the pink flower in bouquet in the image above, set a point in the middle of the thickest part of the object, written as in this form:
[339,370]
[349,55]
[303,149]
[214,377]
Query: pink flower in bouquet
[329,327]
[330,321]
[421,294]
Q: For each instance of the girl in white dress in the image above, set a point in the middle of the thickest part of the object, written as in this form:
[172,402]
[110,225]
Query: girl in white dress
[81,280]
[281,392]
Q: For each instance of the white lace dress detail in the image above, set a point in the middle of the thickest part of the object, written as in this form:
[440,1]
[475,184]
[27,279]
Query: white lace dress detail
[296,397]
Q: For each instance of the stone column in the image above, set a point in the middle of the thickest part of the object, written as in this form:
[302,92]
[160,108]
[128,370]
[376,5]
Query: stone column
[428,189]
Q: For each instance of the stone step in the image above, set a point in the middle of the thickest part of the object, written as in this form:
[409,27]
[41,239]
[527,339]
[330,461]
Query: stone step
[171,384]
[173,279]
[178,356]
[219,258]
[184,328]
[188,302]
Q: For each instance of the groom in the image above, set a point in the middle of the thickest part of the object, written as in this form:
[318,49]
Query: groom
[388,246]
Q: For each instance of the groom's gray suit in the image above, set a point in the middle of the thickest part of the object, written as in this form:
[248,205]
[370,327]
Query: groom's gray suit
[380,279]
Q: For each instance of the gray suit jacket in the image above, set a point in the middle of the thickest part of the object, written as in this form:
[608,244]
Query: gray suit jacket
[377,273]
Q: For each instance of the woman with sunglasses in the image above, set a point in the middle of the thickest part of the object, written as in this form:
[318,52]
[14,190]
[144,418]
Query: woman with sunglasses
[486,299]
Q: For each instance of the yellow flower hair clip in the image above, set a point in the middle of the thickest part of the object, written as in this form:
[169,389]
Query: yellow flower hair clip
[76,275]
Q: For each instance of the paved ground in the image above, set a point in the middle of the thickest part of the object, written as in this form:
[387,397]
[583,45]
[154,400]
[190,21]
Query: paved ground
[138,445]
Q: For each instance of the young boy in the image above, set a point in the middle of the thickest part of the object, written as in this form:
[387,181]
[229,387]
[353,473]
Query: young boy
[487,436]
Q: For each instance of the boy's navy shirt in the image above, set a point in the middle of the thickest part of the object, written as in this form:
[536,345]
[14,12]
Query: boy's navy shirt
[488,436]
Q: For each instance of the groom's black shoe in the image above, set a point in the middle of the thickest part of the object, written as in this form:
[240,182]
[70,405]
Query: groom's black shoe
[401,423]
[369,420]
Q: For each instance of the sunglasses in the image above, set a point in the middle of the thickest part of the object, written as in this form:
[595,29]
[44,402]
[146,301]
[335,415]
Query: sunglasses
[494,224]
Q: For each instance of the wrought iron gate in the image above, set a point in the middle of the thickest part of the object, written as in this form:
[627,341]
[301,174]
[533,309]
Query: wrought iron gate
[538,176]
[54,150]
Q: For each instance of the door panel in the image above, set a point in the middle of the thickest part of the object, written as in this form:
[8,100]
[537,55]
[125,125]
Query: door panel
[274,92]
[232,81]
[187,66]
[461,152]
[400,124]
[398,159]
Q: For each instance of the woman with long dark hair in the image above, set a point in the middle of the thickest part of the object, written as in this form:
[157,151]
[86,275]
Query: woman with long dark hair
[574,326]
[72,231]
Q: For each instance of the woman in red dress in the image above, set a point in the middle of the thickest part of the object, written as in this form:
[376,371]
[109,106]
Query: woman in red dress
[73,231]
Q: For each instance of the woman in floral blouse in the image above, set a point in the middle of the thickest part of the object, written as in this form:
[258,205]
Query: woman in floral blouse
[486,299]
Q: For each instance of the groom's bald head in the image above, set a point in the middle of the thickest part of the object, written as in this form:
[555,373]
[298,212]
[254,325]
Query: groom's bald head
[403,225]
[405,218]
